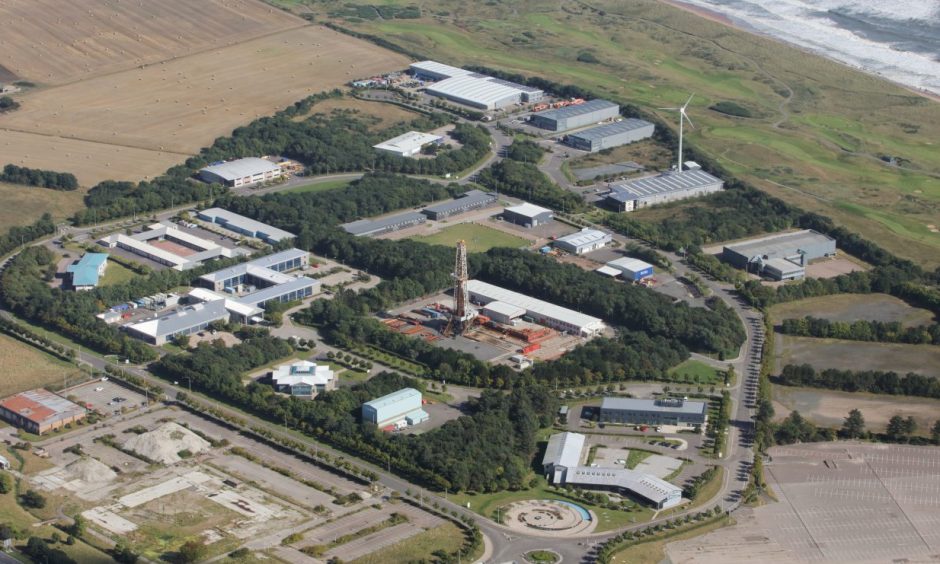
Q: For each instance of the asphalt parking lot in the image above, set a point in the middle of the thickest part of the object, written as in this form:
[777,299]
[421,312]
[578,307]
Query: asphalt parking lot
[105,397]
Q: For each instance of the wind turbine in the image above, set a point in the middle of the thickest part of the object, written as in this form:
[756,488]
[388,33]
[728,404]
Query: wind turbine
[682,116]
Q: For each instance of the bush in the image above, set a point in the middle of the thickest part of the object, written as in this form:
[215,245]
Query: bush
[33,499]
[731,109]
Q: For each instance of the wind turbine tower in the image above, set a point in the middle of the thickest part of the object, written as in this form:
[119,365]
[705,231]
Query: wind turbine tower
[682,117]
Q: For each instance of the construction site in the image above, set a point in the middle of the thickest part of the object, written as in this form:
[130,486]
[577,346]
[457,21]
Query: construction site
[491,323]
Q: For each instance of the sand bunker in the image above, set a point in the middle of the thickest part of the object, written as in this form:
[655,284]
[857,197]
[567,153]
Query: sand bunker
[164,443]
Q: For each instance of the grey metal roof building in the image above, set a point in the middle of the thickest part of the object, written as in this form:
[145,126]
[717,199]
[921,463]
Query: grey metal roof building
[563,452]
[782,256]
[394,407]
[653,411]
[265,270]
[528,215]
[244,225]
[666,187]
[241,172]
[370,227]
[660,493]
[471,88]
[474,199]
[185,321]
[611,135]
[295,289]
[570,117]
[562,466]
[583,241]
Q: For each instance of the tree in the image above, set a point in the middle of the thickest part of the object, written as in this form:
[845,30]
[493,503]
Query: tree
[910,426]
[33,499]
[124,555]
[192,551]
[78,525]
[6,483]
[935,432]
[854,426]
[895,428]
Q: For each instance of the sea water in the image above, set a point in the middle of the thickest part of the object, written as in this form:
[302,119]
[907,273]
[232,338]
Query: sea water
[896,39]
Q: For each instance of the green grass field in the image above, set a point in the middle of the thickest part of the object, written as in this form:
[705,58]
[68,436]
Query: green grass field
[821,129]
[318,186]
[116,274]
[479,238]
[698,372]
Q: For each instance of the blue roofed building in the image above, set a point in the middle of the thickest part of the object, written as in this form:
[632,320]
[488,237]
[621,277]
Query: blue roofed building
[85,273]
[399,408]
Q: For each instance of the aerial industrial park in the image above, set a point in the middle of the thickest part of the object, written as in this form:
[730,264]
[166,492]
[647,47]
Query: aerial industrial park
[422,297]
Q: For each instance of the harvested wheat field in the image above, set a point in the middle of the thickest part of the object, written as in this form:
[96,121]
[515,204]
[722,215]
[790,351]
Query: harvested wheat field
[90,162]
[57,41]
[183,105]
[25,368]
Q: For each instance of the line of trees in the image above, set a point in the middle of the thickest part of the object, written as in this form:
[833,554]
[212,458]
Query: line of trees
[873,381]
[21,235]
[862,330]
[38,177]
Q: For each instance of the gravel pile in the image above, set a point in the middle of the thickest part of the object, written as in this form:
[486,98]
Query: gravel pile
[90,470]
[164,443]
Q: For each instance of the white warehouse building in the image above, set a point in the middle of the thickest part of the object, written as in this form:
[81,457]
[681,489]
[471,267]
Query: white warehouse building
[241,172]
[541,312]
[473,89]
[407,144]
[583,241]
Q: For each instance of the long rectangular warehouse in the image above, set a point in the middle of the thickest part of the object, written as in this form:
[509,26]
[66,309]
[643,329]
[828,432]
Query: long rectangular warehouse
[543,313]
[244,225]
[570,117]
[666,187]
[611,135]
[472,200]
[370,227]
[473,89]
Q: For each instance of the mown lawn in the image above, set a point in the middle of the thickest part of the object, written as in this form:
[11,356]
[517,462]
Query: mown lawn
[479,238]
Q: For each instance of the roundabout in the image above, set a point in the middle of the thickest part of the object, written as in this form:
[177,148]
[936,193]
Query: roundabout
[552,518]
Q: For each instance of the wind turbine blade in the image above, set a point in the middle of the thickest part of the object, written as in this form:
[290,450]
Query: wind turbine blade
[686,105]
[670,109]
[686,116]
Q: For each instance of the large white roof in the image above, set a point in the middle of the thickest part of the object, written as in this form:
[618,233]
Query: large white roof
[439,68]
[503,308]
[478,88]
[645,485]
[302,372]
[664,183]
[407,142]
[232,305]
[564,449]
[583,237]
[240,168]
[533,305]
[528,210]
[629,263]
